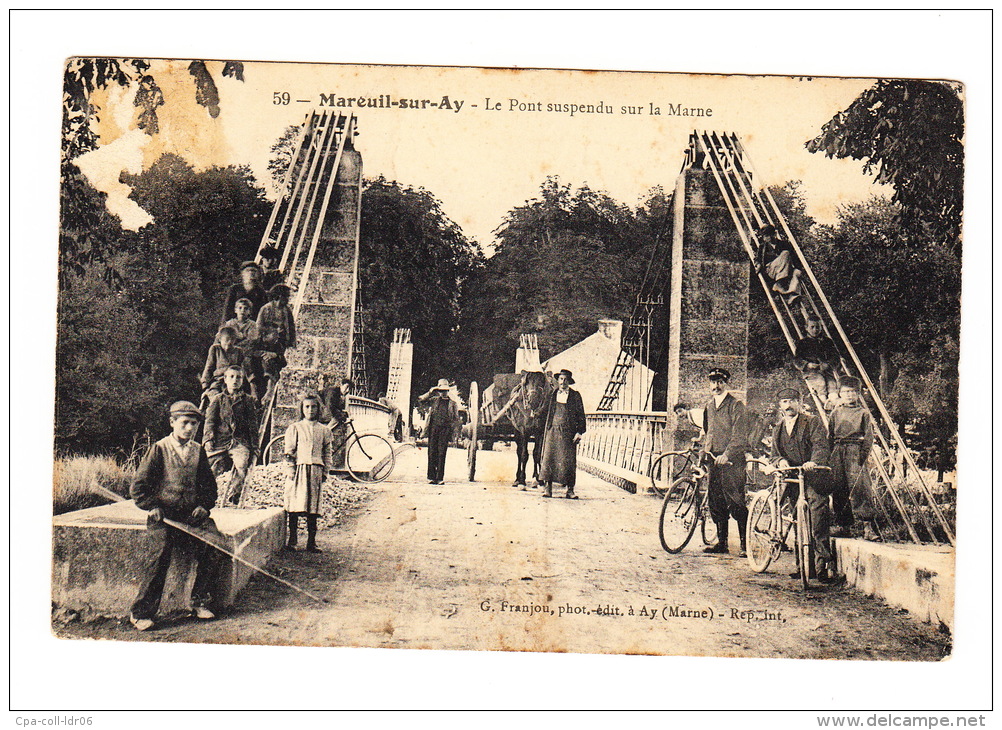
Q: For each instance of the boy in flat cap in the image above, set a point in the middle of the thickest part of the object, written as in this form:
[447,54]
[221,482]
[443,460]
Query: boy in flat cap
[174,481]
[726,440]
[249,288]
[800,440]
[851,431]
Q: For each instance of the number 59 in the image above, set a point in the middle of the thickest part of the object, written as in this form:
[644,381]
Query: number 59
[280,98]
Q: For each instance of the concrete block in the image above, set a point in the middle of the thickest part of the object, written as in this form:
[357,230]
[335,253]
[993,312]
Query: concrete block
[296,383]
[710,336]
[329,287]
[919,578]
[325,320]
[350,169]
[332,354]
[303,355]
[98,553]
[630,481]
[335,254]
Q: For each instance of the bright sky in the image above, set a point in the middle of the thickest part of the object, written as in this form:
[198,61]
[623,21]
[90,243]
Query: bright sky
[480,163]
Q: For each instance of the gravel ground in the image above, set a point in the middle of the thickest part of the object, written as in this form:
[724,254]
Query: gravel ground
[339,497]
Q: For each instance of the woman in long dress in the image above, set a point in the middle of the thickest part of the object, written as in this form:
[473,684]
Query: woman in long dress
[309,447]
[565,424]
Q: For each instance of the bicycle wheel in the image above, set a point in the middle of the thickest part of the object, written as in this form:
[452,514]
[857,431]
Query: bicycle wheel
[805,547]
[659,474]
[679,514]
[763,524]
[369,458]
[274,451]
[708,528]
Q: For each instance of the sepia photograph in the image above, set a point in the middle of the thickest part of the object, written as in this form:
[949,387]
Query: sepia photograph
[330,337]
[507,359]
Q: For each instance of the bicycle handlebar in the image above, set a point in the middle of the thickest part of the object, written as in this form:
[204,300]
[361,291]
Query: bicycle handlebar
[794,468]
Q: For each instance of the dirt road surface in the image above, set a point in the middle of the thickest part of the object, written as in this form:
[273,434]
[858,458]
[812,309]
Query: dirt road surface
[485,566]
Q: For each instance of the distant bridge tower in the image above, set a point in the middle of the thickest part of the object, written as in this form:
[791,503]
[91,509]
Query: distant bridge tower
[527,354]
[398,386]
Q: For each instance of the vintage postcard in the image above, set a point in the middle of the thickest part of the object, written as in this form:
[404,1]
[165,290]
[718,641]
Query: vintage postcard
[496,359]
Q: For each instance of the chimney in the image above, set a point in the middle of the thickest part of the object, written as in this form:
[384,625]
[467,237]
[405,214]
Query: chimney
[611,329]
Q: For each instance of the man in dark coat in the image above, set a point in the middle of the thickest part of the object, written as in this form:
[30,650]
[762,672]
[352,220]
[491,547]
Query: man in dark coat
[565,424]
[801,440]
[726,440]
[249,288]
[443,415]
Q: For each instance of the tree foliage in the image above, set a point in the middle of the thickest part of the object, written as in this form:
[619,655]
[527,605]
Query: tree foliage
[562,261]
[899,302]
[413,263]
[910,134]
[130,345]
[85,236]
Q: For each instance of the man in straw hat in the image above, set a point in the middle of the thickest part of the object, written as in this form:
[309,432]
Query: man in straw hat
[443,415]
[726,440]
[562,430]
[174,481]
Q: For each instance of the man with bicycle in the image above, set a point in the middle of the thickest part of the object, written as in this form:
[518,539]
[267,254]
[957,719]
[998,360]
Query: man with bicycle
[800,439]
[726,440]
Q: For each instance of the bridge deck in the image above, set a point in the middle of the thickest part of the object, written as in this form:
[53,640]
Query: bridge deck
[426,566]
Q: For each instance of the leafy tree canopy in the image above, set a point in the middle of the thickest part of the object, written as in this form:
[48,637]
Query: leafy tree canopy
[413,263]
[562,261]
[910,133]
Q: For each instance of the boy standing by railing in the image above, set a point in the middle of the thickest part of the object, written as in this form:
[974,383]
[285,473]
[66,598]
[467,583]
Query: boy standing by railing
[851,431]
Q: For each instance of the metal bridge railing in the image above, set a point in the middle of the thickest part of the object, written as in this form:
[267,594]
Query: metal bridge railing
[627,440]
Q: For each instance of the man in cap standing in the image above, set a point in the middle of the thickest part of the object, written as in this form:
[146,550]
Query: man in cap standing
[443,415]
[851,431]
[799,439]
[726,440]
[174,482]
[249,288]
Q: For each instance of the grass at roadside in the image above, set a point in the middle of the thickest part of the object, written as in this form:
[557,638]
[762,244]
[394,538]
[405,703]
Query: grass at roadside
[73,476]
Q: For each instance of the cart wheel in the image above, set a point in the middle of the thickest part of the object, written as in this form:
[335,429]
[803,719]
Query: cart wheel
[471,447]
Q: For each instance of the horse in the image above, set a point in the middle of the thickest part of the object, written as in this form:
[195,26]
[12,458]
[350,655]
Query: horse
[525,396]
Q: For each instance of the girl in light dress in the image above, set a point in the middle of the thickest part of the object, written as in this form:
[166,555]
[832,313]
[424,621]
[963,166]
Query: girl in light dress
[309,448]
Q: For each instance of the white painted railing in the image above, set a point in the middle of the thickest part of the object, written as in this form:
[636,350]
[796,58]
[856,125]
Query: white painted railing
[368,415]
[628,440]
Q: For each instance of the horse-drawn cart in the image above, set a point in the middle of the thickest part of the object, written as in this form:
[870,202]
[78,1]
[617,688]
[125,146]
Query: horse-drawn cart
[513,409]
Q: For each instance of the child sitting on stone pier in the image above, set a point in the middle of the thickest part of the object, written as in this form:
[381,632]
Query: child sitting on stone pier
[276,333]
[174,482]
[221,357]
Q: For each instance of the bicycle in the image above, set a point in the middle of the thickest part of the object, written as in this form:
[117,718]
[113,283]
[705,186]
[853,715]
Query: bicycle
[772,514]
[368,457]
[685,501]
